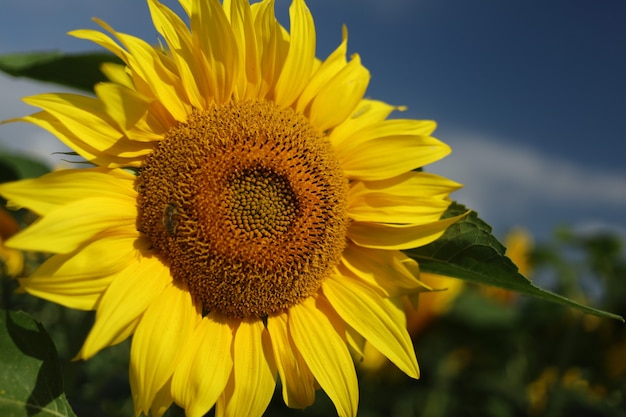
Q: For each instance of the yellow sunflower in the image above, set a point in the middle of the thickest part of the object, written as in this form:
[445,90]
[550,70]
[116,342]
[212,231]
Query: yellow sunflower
[244,216]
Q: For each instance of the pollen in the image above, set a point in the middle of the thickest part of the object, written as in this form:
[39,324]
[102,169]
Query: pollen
[246,204]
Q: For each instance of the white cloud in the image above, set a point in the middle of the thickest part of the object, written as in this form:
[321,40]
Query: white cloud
[511,184]
[593,227]
[25,138]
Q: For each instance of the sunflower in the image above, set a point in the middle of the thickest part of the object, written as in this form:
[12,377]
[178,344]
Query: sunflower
[244,215]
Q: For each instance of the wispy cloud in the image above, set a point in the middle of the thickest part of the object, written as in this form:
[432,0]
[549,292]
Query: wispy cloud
[24,138]
[516,184]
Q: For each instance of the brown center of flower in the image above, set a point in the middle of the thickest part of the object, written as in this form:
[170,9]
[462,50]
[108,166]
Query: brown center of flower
[246,203]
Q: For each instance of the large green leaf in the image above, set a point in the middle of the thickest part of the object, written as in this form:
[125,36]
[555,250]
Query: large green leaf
[468,251]
[80,71]
[30,375]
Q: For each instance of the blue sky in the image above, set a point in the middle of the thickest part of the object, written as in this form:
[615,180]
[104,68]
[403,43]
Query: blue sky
[531,94]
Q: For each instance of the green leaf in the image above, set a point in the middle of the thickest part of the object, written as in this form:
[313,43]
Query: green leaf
[30,376]
[468,251]
[80,71]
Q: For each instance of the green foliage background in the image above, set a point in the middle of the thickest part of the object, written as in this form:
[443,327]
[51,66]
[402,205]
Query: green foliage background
[525,356]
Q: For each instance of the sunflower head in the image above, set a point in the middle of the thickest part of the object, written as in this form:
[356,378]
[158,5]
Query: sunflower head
[245,215]
[246,203]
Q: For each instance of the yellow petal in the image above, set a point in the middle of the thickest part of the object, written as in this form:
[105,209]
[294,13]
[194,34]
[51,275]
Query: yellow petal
[297,380]
[84,116]
[67,227]
[299,61]
[131,292]
[140,76]
[118,153]
[132,112]
[54,190]
[78,291]
[253,381]
[149,65]
[67,293]
[204,368]
[410,184]
[367,113]
[376,318]
[390,272]
[161,336]
[242,23]
[186,5]
[387,152]
[394,236]
[77,280]
[178,38]
[101,39]
[335,62]
[385,208]
[272,46]
[216,42]
[356,342]
[338,98]
[311,324]
[117,73]
[403,203]
[162,400]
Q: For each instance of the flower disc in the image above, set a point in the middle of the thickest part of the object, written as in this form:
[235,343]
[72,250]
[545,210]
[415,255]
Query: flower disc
[246,202]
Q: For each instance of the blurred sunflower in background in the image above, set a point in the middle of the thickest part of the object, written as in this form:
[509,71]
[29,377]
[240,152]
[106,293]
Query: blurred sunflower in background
[244,216]
[519,246]
[12,260]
